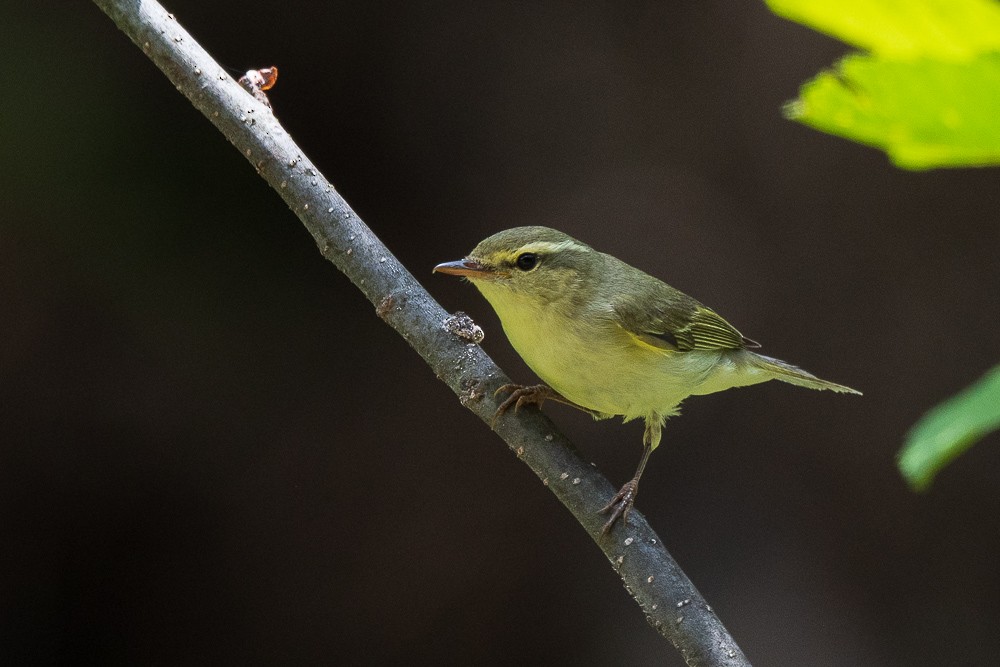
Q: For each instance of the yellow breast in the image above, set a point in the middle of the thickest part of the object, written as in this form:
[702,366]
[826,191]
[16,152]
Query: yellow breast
[595,363]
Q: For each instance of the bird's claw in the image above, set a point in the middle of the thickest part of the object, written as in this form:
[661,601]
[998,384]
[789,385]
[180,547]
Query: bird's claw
[621,505]
[520,395]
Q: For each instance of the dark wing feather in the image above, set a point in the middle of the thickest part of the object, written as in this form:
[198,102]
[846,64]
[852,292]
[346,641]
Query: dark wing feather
[665,317]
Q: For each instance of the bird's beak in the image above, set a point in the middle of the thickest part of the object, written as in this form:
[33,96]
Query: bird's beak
[469,268]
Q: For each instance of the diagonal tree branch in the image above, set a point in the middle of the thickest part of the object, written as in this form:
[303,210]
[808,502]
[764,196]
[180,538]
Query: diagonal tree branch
[667,597]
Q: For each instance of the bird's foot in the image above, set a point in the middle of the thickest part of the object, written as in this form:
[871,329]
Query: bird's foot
[620,505]
[521,395]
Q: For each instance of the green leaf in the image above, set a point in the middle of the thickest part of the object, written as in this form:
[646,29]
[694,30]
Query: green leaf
[928,93]
[903,29]
[923,114]
[949,429]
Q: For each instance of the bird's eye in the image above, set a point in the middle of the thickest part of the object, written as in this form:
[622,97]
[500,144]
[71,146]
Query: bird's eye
[527,261]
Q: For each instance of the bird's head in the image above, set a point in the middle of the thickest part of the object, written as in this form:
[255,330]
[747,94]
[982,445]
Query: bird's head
[529,264]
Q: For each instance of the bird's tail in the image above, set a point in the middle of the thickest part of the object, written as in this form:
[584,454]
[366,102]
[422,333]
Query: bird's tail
[785,372]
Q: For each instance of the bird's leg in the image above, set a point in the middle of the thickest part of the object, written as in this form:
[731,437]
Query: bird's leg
[622,503]
[532,395]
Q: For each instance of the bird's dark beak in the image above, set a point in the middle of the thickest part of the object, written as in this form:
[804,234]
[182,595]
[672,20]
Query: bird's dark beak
[469,268]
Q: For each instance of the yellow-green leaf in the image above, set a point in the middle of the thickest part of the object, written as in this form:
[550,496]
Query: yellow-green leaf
[923,113]
[949,429]
[928,91]
[903,29]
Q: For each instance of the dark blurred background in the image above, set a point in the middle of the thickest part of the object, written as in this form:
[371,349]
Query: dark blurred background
[213,451]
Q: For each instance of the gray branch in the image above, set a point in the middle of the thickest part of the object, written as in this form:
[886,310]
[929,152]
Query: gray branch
[666,596]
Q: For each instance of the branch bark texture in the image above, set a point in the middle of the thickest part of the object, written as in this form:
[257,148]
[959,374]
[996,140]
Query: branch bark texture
[666,596]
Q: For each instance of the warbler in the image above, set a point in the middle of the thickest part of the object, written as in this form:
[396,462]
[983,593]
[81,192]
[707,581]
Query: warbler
[608,338]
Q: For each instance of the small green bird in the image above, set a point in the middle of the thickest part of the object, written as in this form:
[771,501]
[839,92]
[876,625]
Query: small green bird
[609,339]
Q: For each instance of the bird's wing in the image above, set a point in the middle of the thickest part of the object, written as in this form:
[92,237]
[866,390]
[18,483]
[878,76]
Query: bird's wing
[669,319]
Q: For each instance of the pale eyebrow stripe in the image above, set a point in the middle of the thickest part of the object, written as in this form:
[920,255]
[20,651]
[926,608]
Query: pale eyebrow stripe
[550,247]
